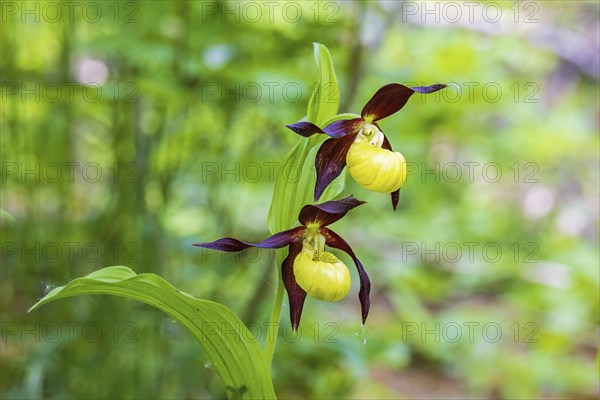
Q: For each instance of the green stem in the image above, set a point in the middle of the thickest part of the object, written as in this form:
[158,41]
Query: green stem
[273,327]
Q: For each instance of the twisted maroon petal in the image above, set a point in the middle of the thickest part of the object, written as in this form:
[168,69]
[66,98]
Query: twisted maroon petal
[330,161]
[327,213]
[391,98]
[334,240]
[296,294]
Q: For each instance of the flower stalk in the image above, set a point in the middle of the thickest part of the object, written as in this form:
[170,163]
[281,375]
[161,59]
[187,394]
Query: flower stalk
[274,320]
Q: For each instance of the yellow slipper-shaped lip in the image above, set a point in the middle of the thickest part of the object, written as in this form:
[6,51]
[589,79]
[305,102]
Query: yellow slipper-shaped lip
[326,279]
[375,168]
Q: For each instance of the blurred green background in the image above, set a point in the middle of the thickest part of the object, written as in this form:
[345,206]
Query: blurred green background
[132,129]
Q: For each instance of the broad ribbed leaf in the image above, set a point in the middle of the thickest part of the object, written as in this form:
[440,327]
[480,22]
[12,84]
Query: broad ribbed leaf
[325,100]
[295,183]
[296,180]
[284,206]
[223,336]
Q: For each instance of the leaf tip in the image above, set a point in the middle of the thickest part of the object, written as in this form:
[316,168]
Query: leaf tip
[37,304]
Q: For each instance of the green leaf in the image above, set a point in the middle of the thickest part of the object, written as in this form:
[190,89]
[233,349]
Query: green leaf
[225,339]
[6,216]
[325,100]
[306,186]
[281,214]
[295,187]
[295,184]
[296,179]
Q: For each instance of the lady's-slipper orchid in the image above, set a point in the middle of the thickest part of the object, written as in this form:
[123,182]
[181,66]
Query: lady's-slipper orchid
[308,268]
[361,145]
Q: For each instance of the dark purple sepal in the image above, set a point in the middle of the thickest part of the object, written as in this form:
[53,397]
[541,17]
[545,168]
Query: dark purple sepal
[304,128]
[332,239]
[343,127]
[328,212]
[391,98]
[330,161]
[276,241]
[296,294]
[429,89]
